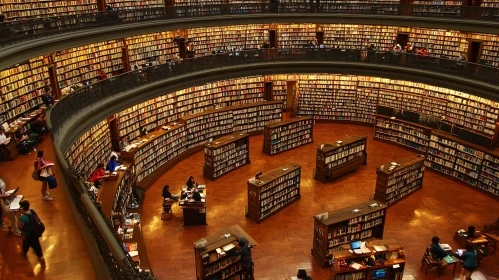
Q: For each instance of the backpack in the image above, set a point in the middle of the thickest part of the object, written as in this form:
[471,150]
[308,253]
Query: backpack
[37,226]
[35,174]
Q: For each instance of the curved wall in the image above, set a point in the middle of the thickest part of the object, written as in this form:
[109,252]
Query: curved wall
[18,53]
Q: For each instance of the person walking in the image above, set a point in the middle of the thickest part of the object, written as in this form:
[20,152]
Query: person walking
[5,200]
[29,223]
[43,167]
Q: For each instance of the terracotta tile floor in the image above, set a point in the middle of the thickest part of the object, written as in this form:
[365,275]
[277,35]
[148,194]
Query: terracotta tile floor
[61,243]
[440,208]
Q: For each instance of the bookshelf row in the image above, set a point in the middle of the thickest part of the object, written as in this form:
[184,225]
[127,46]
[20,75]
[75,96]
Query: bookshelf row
[172,106]
[225,154]
[358,98]
[288,134]
[90,149]
[272,191]
[332,230]
[216,258]
[445,153]
[340,157]
[398,179]
[166,142]
[87,64]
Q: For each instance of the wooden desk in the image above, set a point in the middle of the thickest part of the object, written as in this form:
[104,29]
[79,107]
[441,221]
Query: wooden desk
[477,241]
[8,152]
[31,117]
[194,214]
[107,192]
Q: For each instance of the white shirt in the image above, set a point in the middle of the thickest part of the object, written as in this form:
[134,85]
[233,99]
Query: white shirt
[3,138]
[113,153]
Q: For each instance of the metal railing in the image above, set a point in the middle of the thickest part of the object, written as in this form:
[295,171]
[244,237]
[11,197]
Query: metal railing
[17,31]
[71,104]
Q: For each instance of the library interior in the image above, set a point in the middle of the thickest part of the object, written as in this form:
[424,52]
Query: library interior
[171,139]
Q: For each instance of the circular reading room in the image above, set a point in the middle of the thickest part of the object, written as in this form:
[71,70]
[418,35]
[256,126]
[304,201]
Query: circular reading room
[243,140]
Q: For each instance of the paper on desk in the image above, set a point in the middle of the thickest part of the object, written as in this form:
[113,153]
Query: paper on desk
[358,251]
[133,253]
[355,265]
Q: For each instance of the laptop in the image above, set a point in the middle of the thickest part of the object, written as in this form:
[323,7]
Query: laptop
[460,252]
[355,245]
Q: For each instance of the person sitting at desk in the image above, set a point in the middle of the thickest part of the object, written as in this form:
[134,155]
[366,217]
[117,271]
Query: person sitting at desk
[123,143]
[3,138]
[196,196]
[112,164]
[98,175]
[24,145]
[191,183]
[435,248]
[167,194]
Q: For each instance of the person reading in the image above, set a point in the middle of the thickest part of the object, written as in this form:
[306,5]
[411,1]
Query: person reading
[167,194]
[112,164]
[190,184]
[98,175]
[436,249]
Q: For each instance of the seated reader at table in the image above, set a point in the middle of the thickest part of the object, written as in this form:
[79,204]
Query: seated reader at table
[190,184]
[436,249]
[112,164]
[167,194]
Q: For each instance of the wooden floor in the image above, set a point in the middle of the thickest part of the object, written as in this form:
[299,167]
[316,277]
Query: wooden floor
[442,207]
[61,243]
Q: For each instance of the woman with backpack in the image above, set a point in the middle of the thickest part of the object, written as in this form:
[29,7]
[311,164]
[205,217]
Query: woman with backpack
[32,229]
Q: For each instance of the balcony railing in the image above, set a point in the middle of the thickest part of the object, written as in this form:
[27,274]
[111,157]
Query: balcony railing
[17,31]
[81,98]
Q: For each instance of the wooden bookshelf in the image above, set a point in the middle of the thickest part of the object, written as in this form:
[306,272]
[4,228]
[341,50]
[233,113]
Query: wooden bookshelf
[209,39]
[144,49]
[288,134]
[439,42]
[168,143]
[279,88]
[315,96]
[354,36]
[90,149]
[172,106]
[295,35]
[336,228]
[218,122]
[464,161]
[21,88]
[132,5]
[338,158]
[225,154]
[392,267]
[150,152]
[401,181]
[23,10]
[437,8]
[224,265]
[274,190]
[80,64]
[403,133]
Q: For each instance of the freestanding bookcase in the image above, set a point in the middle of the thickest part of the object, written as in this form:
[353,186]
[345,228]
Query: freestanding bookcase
[225,154]
[274,190]
[392,186]
[285,135]
[337,228]
[216,260]
[341,157]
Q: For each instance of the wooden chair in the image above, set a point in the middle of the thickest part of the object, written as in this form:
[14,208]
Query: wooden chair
[167,210]
[429,261]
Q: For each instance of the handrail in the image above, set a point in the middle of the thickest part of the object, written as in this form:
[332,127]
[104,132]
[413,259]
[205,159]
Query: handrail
[17,31]
[84,97]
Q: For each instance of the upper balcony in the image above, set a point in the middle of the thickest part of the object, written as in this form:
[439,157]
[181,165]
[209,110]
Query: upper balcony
[33,36]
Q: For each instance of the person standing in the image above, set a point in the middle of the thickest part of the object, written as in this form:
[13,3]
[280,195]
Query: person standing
[43,166]
[5,209]
[31,235]
[243,249]
[470,262]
